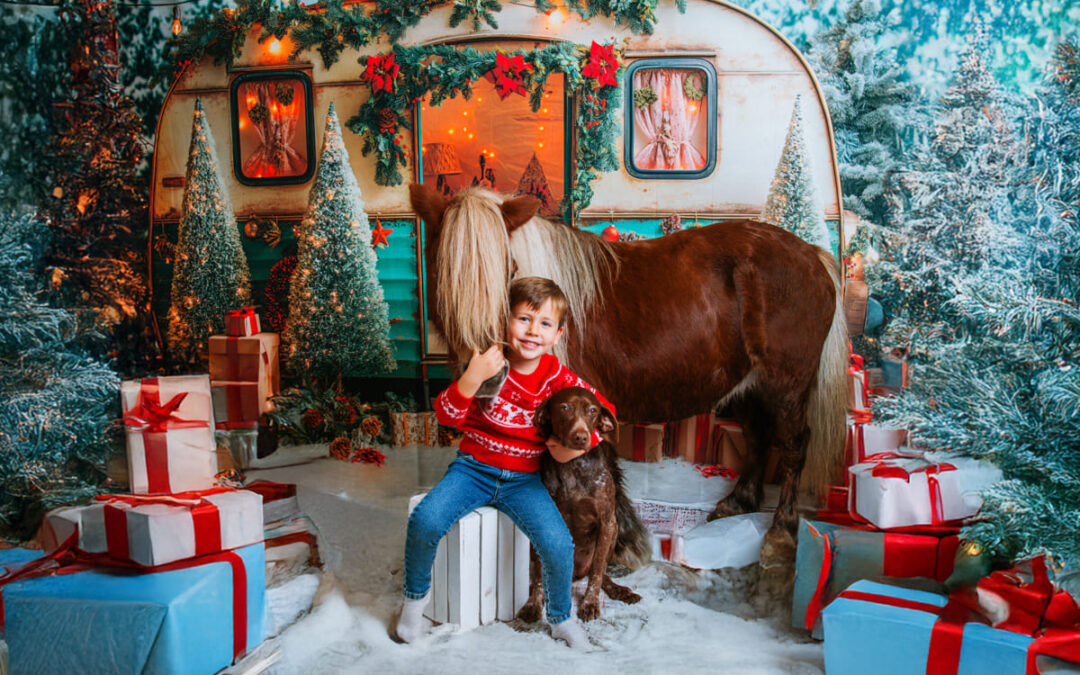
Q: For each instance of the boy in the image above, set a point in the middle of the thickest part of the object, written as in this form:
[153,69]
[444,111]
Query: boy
[499,459]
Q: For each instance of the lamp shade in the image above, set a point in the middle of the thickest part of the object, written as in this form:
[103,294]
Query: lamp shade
[440,159]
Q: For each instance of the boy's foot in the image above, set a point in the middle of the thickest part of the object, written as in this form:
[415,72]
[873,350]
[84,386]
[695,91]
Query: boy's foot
[412,624]
[572,633]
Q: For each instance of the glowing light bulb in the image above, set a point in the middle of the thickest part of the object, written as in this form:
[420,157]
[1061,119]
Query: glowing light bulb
[465,113]
[556,17]
[541,127]
[480,99]
[470,137]
[275,46]
[177,28]
[545,110]
[540,144]
[451,131]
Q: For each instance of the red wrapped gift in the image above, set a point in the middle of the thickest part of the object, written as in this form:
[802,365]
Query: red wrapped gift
[641,442]
[246,359]
[239,405]
[689,439]
[859,394]
[242,322]
[170,441]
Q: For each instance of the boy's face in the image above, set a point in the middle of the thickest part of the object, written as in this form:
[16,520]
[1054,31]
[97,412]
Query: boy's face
[533,332]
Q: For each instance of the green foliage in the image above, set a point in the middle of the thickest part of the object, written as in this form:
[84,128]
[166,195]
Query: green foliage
[57,401]
[211,275]
[475,11]
[338,317]
[644,97]
[793,203]
[304,416]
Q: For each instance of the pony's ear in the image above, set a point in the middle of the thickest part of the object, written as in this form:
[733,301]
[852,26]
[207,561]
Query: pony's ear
[517,212]
[428,204]
[542,418]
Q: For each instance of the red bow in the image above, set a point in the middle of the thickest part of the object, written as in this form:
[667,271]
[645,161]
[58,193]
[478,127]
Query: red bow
[158,417]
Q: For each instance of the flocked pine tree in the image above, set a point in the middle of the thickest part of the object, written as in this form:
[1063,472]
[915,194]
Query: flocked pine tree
[338,320]
[793,203]
[210,275]
[57,402]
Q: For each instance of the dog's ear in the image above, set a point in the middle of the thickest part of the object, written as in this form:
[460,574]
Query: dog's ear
[608,425]
[542,418]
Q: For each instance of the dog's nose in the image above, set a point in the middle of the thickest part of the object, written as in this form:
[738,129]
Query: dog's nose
[580,437]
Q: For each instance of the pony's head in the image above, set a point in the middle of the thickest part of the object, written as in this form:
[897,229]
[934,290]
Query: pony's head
[468,261]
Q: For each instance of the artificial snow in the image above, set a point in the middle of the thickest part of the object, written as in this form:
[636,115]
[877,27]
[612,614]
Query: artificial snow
[687,621]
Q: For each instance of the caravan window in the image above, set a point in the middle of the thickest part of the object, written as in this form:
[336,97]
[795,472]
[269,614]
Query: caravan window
[671,118]
[273,128]
[497,142]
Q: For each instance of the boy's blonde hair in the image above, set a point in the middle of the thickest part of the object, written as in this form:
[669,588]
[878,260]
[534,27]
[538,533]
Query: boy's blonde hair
[534,291]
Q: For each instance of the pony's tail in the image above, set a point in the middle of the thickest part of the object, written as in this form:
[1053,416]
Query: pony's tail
[633,546]
[828,401]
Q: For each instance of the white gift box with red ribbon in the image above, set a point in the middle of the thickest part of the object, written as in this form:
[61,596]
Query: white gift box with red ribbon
[892,489]
[170,438]
[156,530]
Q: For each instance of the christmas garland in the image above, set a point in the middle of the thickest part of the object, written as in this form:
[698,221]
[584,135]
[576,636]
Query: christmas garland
[398,80]
[331,26]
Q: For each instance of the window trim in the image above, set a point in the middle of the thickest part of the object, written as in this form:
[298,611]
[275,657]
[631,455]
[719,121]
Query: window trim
[309,123]
[711,132]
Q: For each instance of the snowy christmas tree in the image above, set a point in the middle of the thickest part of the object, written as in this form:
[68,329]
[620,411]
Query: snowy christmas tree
[338,319]
[57,402]
[210,276]
[793,203]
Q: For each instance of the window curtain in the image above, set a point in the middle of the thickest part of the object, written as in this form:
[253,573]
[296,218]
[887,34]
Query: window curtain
[668,123]
[275,154]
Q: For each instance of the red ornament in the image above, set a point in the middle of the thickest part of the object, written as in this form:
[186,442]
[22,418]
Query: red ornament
[379,235]
[380,72]
[508,74]
[602,65]
[610,233]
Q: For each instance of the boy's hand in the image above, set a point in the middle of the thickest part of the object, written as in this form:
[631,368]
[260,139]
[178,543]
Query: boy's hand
[561,453]
[481,368]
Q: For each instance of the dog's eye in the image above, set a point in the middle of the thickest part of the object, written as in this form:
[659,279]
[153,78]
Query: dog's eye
[564,407]
[593,411]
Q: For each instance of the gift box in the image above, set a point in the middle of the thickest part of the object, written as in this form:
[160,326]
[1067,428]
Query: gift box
[912,631]
[246,359]
[670,518]
[641,442]
[190,617]
[481,570]
[243,322]
[865,440]
[157,530]
[859,391]
[170,439]
[918,490]
[831,557]
[414,428]
[239,405]
[728,445]
[689,439]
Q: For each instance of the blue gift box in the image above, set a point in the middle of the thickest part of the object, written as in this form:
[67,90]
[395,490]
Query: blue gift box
[126,621]
[863,636]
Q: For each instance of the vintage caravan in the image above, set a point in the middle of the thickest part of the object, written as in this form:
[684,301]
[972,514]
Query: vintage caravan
[702,116]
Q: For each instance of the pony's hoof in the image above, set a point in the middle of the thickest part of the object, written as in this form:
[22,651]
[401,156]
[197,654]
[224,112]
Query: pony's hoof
[727,507]
[778,549]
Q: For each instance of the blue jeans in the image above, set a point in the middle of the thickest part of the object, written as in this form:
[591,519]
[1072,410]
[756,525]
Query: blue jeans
[470,484]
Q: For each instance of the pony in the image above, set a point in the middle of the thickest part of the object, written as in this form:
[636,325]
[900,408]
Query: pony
[738,316]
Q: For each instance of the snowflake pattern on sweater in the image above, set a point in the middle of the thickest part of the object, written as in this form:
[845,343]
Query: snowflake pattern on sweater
[499,431]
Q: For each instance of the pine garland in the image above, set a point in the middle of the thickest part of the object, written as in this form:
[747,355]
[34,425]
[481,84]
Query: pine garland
[442,71]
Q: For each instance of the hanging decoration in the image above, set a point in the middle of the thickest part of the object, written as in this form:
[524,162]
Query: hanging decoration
[508,75]
[602,65]
[691,89]
[276,305]
[379,235]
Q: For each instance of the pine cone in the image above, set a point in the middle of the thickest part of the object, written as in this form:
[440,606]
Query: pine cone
[371,426]
[387,120]
[341,448]
[312,419]
[347,414]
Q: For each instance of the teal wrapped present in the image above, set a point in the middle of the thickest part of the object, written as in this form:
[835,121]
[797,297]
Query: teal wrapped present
[190,617]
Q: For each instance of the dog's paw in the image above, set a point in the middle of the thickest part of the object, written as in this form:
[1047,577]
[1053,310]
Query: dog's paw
[529,612]
[589,609]
[629,597]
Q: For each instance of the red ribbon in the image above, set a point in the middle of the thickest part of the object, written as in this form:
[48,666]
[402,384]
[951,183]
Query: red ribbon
[937,510]
[701,439]
[156,420]
[68,560]
[205,519]
[817,599]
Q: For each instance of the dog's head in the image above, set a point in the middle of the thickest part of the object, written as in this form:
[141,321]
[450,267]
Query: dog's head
[571,415]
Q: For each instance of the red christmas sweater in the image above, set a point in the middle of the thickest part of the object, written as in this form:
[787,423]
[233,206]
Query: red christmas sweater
[499,431]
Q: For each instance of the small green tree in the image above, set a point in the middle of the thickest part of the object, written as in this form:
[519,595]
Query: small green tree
[338,318]
[210,276]
[793,203]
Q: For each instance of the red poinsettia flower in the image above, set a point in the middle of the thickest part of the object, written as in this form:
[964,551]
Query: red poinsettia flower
[602,65]
[381,72]
[508,74]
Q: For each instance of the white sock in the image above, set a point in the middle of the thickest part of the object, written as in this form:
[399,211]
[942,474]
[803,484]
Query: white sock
[412,624]
[573,633]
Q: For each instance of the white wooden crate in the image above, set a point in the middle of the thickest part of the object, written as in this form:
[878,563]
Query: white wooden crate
[481,570]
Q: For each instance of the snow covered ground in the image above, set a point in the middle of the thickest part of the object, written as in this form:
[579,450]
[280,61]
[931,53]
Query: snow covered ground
[687,622]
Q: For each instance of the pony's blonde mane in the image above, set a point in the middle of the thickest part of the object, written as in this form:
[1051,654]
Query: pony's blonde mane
[474,270]
[579,262]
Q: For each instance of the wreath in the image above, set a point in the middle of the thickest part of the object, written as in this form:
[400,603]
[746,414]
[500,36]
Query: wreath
[284,93]
[644,97]
[690,88]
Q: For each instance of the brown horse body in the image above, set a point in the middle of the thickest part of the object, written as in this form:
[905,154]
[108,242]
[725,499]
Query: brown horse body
[740,316]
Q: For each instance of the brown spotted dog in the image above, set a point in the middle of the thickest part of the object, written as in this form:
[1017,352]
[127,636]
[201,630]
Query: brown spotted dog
[588,491]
